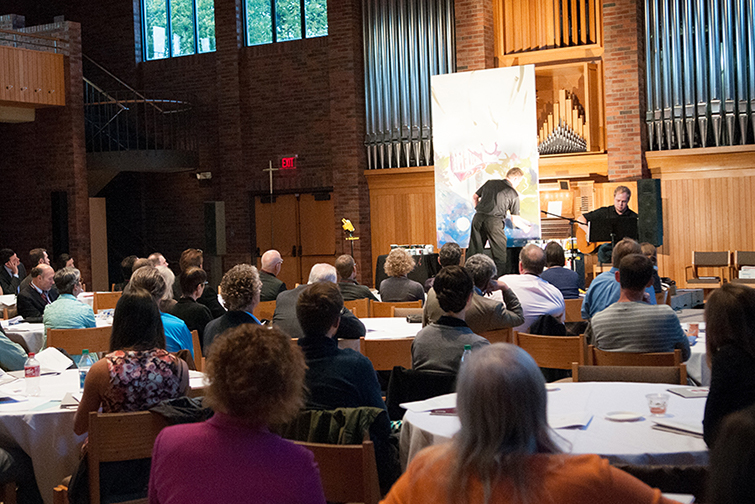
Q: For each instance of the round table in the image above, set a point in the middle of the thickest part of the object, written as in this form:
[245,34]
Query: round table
[625,442]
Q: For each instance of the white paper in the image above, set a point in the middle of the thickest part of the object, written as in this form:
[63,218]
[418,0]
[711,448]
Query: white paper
[444,401]
[555,207]
[680,426]
[8,300]
[51,360]
[580,419]
[683,498]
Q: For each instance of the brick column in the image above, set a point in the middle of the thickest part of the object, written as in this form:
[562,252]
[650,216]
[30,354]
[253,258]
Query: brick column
[347,129]
[474,35]
[624,74]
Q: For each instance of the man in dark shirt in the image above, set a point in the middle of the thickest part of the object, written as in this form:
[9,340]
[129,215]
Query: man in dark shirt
[448,255]
[347,280]
[619,210]
[12,271]
[271,263]
[40,292]
[492,202]
[196,315]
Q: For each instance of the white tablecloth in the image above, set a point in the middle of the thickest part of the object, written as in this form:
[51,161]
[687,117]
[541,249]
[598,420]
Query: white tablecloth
[389,327]
[33,334]
[627,442]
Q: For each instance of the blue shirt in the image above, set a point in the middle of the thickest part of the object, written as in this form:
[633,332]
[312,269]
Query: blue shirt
[67,312]
[12,356]
[565,280]
[177,334]
[605,291]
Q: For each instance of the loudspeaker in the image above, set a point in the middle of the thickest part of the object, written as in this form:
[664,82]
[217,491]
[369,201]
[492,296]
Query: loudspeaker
[214,227]
[650,206]
[59,205]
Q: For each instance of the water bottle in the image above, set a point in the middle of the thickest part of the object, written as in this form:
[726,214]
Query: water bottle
[32,375]
[467,353]
[84,364]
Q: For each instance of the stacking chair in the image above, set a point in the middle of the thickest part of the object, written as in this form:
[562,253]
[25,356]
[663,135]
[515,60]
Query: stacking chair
[661,297]
[379,309]
[385,354]
[264,310]
[555,352]
[505,335]
[348,472]
[405,312]
[642,374]
[720,262]
[407,385]
[573,310]
[359,307]
[73,341]
[742,258]
[105,300]
[598,357]
[198,358]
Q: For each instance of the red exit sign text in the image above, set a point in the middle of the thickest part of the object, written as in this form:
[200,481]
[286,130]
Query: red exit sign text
[288,162]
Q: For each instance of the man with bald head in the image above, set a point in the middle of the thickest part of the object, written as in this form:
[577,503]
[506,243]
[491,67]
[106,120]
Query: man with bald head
[40,292]
[285,307]
[271,263]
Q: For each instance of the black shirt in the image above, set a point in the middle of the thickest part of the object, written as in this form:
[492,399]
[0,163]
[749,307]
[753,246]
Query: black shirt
[608,212]
[351,290]
[271,286]
[496,197]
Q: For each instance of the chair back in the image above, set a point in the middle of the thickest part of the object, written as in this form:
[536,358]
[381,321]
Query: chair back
[556,352]
[573,310]
[73,341]
[743,258]
[359,307]
[385,354]
[642,374]
[198,359]
[348,472]
[407,385]
[505,335]
[660,297]
[405,312]
[379,309]
[105,300]
[597,357]
[115,437]
[264,310]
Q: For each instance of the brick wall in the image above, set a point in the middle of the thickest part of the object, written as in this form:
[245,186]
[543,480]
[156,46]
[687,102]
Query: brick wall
[474,35]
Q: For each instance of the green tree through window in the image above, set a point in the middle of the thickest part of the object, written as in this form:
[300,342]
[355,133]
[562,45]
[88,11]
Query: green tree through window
[293,20]
[191,28]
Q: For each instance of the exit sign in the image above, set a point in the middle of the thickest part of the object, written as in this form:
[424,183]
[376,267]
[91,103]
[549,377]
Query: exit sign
[288,162]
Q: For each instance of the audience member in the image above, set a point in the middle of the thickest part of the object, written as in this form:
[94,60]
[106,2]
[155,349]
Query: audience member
[67,312]
[505,451]
[16,467]
[127,267]
[732,460]
[11,273]
[40,292]
[177,335]
[167,302]
[256,379]
[632,325]
[448,255]
[652,253]
[240,289]
[347,280]
[565,280]
[64,261]
[537,296]
[439,346]
[271,263]
[12,355]
[285,308]
[195,315]
[730,346]
[483,314]
[37,256]
[605,289]
[157,259]
[140,263]
[398,287]
[209,298]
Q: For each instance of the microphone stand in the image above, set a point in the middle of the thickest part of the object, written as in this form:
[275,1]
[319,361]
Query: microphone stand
[571,227]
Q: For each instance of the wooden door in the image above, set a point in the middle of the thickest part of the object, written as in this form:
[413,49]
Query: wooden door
[278,228]
[317,231]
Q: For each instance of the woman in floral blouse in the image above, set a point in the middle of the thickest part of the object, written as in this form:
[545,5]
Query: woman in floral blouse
[138,372]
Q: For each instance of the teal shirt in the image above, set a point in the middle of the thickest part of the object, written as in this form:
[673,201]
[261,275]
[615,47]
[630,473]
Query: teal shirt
[67,312]
[12,356]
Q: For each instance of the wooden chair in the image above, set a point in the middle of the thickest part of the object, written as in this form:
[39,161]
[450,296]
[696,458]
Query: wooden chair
[405,312]
[359,307]
[112,287]
[597,357]
[661,297]
[264,310]
[105,300]
[385,354]
[573,310]
[73,341]
[379,309]
[505,335]
[348,472]
[198,358]
[720,262]
[642,374]
[742,258]
[555,352]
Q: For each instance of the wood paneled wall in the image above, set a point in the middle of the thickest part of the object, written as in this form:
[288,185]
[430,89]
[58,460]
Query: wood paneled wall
[707,203]
[31,77]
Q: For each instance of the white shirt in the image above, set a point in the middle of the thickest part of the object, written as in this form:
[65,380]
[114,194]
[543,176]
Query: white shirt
[537,296]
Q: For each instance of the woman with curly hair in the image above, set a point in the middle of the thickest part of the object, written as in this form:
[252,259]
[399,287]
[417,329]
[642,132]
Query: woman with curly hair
[504,452]
[397,287]
[256,379]
[241,287]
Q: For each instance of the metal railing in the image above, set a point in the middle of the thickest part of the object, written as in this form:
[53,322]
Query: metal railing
[23,40]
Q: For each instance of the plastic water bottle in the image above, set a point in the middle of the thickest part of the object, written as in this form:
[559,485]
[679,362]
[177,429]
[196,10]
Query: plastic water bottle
[32,375]
[467,353]
[84,364]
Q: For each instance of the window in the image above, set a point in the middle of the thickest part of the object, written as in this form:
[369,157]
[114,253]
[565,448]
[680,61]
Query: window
[191,28]
[269,21]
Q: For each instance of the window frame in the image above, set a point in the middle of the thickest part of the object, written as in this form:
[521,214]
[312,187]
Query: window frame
[273,25]
[169,31]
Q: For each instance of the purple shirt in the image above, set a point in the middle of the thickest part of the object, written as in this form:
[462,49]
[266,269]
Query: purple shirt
[222,460]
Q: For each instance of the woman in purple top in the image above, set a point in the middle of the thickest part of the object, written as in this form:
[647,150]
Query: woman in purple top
[256,378]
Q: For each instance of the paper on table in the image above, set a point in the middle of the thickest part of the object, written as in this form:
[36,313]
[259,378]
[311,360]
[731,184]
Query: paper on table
[18,319]
[689,392]
[580,419]
[677,427]
[50,359]
[196,379]
[683,498]
[444,401]
[8,300]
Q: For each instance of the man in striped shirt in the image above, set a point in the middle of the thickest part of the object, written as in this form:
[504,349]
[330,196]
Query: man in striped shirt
[632,325]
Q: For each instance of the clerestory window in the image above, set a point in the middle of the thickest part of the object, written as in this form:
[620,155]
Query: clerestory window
[177,27]
[269,21]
